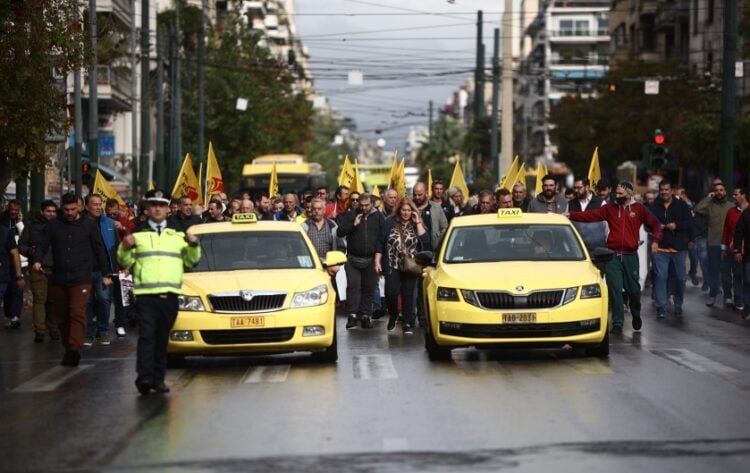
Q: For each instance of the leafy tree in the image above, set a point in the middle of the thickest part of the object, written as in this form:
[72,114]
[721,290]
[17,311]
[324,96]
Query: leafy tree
[36,36]
[448,140]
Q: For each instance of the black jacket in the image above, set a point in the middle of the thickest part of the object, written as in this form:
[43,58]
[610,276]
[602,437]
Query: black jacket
[361,240]
[742,236]
[31,237]
[76,249]
[679,213]
[181,223]
[575,204]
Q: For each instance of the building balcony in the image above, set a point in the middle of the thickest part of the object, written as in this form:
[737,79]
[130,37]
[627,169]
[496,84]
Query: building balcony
[120,9]
[579,36]
[113,86]
[647,7]
[668,16]
[255,9]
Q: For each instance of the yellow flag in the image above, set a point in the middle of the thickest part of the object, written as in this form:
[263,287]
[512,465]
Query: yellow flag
[347,173]
[400,182]
[520,177]
[356,184]
[541,171]
[429,182]
[273,182]
[457,180]
[152,186]
[394,169]
[187,183]
[375,191]
[103,188]
[595,172]
[201,187]
[214,181]
[509,179]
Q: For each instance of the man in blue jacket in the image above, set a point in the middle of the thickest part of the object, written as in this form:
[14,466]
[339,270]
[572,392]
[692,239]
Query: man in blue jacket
[670,259]
[100,301]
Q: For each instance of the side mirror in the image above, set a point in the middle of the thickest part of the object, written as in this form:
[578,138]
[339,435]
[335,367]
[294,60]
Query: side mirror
[334,258]
[601,256]
[424,258]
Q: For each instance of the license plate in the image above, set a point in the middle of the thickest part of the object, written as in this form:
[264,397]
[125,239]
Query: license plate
[245,322]
[520,318]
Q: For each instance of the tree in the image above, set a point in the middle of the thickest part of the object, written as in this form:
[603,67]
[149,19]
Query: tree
[37,37]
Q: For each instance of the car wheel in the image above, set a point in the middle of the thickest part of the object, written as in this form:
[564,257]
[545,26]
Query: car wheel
[175,361]
[600,350]
[331,354]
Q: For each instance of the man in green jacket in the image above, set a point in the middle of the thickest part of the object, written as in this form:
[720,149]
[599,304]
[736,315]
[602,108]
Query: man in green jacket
[714,207]
[156,256]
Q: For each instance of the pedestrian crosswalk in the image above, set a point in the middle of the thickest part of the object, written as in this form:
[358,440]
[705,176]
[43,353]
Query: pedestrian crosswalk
[386,366]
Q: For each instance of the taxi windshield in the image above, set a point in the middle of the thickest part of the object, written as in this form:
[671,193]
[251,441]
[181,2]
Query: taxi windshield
[253,250]
[514,242]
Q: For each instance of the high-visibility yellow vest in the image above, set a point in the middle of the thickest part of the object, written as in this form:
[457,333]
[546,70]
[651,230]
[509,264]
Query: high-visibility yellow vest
[157,261]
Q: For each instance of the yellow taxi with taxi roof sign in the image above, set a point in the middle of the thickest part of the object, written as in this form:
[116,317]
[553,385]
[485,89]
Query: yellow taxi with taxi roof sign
[514,278]
[259,287]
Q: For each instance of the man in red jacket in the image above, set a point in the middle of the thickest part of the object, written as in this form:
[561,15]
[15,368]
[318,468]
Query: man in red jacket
[624,219]
[731,270]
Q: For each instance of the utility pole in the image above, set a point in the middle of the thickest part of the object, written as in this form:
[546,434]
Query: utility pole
[177,79]
[429,130]
[506,141]
[728,82]
[76,174]
[145,98]
[93,84]
[173,157]
[495,99]
[479,72]
[202,86]
[133,106]
[160,164]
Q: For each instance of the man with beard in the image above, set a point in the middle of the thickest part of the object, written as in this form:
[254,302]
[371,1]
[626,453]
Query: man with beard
[624,220]
[438,197]
[263,206]
[594,234]
[714,207]
[432,214]
[549,201]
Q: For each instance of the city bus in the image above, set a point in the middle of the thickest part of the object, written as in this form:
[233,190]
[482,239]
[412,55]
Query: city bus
[293,172]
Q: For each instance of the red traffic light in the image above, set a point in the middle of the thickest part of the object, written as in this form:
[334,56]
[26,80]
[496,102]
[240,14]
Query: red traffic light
[86,167]
[659,137]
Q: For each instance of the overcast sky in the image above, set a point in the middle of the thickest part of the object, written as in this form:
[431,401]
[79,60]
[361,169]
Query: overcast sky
[410,51]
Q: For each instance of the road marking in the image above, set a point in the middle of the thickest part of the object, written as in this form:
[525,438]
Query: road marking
[373,367]
[51,379]
[694,361]
[266,374]
[589,366]
[395,444]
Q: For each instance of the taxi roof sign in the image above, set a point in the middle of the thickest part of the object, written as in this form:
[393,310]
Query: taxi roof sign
[506,213]
[244,218]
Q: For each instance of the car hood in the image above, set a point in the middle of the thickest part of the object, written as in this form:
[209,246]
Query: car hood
[508,275]
[286,280]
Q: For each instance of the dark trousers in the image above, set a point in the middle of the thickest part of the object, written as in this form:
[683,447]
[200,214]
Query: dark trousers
[156,316]
[714,270]
[732,273]
[13,299]
[622,273]
[69,312]
[360,288]
[404,284]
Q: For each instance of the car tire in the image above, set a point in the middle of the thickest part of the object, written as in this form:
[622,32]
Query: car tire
[331,354]
[176,361]
[434,351]
[600,350]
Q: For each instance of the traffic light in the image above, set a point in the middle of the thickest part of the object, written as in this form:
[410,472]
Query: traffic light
[613,87]
[86,177]
[659,151]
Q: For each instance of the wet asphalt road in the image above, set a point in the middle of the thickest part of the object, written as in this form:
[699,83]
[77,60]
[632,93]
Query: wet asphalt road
[675,398]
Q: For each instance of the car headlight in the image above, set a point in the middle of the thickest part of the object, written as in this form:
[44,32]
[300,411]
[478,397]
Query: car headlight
[470,297]
[315,296]
[570,295]
[447,294]
[190,303]
[591,291]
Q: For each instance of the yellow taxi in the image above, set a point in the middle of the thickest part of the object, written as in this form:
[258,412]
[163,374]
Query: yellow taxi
[259,287]
[514,278]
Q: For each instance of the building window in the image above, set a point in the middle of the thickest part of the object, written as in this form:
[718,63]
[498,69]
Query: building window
[602,26]
[582,28]
[566,27]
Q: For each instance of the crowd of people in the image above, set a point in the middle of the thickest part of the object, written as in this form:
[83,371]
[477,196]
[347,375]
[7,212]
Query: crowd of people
[69,255]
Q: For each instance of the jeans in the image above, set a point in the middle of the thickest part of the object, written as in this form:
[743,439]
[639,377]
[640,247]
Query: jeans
[700,248]
[731,279]
[99,305]
[404,284]
[714,270]
[668,282]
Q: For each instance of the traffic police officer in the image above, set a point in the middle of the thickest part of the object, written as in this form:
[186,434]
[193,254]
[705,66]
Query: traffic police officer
[156,256]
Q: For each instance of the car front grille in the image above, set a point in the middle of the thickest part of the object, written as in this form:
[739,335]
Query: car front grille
[535,300]
[560,329]
[260,335]
[236,304]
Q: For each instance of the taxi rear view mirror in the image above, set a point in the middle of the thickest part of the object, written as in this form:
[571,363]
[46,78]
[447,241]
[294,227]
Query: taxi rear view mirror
[334,258]
[601,256]
[424,258]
